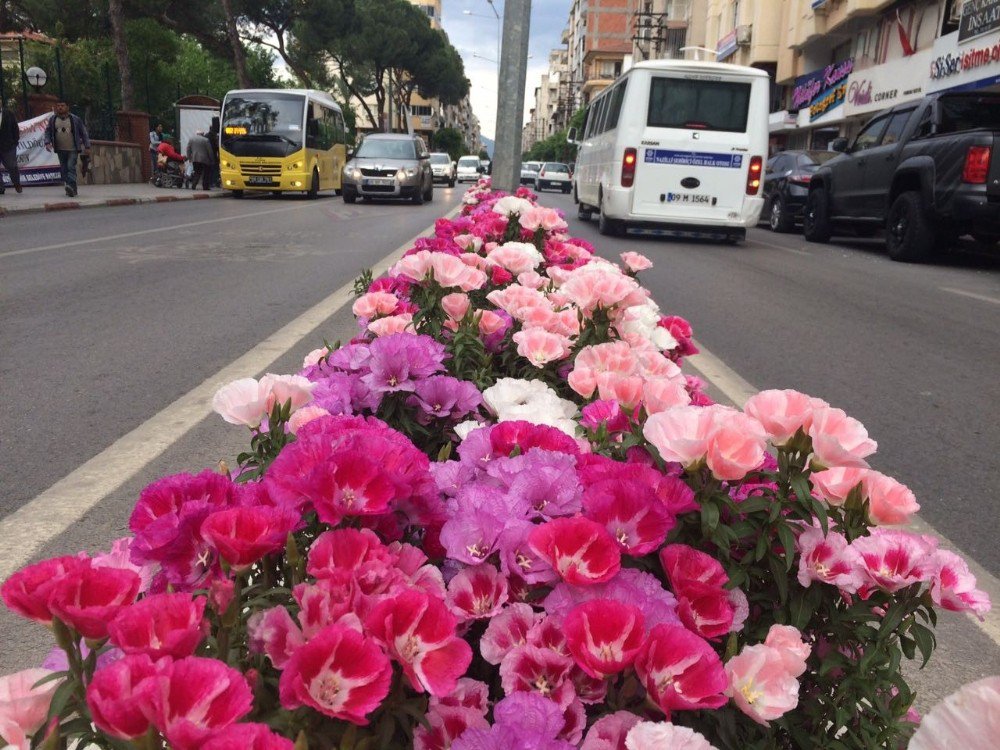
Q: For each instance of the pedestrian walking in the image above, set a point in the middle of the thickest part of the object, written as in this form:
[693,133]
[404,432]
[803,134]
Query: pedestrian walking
[155,139]
[200,154]
[67,136]
[10,134]
[213,138]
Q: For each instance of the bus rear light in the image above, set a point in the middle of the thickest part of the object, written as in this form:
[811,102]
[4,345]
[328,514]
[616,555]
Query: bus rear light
[977,165]
[754,175]
[628,167]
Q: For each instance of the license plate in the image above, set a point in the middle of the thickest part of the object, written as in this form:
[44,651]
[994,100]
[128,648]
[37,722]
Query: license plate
[380,181]
[258,180]
[705,200]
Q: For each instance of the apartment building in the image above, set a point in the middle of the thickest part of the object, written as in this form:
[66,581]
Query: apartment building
[544,119]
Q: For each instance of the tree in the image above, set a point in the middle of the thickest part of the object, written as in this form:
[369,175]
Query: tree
[116,15]
[239,54]
[450,140]
[272,24]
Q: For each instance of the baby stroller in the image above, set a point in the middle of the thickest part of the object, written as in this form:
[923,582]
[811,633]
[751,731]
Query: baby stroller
[169,173]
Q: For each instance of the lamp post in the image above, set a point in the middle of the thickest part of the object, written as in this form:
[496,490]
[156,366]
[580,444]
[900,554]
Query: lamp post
[497,19]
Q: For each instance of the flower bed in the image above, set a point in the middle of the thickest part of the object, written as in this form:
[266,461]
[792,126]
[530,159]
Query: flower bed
[500,517]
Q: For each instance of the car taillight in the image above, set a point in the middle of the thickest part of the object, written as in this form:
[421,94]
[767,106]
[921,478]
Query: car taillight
[753,174]
[977,165]
[800,179]
[628,167]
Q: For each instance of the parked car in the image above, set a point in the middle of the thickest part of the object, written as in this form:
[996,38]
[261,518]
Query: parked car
[468,168]
[554,175]
[390,165]
[529,171]
[924,171]
[786,186]
[443,168]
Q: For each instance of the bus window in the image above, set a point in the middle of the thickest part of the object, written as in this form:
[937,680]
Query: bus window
[602,108]
[617,97]
[694,104]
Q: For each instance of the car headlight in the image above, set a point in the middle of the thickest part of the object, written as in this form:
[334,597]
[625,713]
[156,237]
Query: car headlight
[352,172]
[294,166]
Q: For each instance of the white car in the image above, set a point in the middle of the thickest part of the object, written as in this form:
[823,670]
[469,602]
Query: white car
[529,171]
[468,169]
[443,168]
[554,176]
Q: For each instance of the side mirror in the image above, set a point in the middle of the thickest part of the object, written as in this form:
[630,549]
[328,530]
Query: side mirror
[350,154]
[839,145]
[571,136]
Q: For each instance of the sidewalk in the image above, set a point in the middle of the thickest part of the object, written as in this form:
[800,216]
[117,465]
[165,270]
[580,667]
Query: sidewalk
[53,197]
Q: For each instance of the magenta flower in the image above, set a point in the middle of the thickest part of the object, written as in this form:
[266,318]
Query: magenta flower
[161,625]
[891,560]
[604,636]
[116,697]
[680,671]
[538,670]
[274,633]
[245,535]
[507,631]
[247,737]
[631,512]
[581,551]
[27,592]
[477,592]
[88,598]
[632,587]
[828,559]
[954,587]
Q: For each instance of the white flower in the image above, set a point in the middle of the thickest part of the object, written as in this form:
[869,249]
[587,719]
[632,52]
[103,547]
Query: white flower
[462,429]
[648,735]
[516,257]
[511,206]
[530,401]
[641,320]
[242,401]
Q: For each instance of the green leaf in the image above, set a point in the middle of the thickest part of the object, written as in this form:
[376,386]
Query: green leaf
[788,542]
[926,641]
[709,516]
[780,574]
[61,697]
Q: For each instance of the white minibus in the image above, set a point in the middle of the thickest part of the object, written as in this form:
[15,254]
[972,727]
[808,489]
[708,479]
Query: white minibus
[675,147]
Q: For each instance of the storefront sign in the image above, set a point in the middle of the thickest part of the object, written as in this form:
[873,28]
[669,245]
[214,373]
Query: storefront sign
[36,164]
[822,90]
[726,46]
[970,66]
[887,85]
[978,17]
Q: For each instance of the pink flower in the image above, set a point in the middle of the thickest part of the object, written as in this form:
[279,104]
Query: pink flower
[538,217]
[787,640]
[339,673]
[735,446]
[247,737]
[631,512]
[608,413]
[490,322]
[375,303]
[477,592]
[161,625]
[455,305]
[450,271]
[834,485]
[636,262]
[892,560]
[658,736]
[838,440]
[281,389]
[760,684]
[27,592]
[89,598]
[387,326]
[516,257]
[580,550]
[419,632]
[954,587]
[245,535]
[190,699]
[507,631]
[680,671]
[889,501]
[242,401]
[531,279]
[117,699]
[782,413]
[540,347]
[828,559]
[538,670]
[304,416]
[969,719]
[660,394]
[698,580]
[609,732]
[625,389]
[680,434]
[604,636]
[413,266]
[23,707]
[274,633]
[445,724]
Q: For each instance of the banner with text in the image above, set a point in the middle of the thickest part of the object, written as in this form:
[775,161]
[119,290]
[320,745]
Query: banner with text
[823,90]
[37,165]
[882,86]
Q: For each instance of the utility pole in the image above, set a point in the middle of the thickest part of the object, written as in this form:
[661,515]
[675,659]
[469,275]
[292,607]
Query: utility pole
[510,98]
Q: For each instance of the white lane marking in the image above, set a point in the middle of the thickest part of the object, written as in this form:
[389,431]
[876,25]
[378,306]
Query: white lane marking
[971,295]
[739,390]
[141,232]
[776,246]
[54,511]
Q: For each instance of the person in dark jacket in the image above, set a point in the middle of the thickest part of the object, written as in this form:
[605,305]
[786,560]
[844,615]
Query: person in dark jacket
[67,136]
[10,134]
[200,154]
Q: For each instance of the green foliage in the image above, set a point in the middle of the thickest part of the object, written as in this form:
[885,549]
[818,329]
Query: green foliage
[553,148]
[450,140]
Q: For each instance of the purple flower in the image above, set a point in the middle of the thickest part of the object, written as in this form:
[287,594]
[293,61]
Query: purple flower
[477,450]
[545,481]
[451,476]
[471,536]
[398,360]
[350,358]
[444,397]
[518,559]
[630,586]
[524,721]
[333,392]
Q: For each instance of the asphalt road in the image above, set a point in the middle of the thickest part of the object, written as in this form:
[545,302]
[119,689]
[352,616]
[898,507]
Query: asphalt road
[108,316]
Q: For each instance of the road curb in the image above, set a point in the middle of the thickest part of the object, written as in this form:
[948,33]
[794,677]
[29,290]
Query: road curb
[75,205]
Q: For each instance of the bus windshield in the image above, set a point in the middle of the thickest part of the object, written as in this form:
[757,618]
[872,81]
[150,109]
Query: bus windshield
[262,124]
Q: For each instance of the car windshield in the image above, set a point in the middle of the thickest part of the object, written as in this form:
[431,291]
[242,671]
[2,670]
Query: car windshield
[263,118]
[469,162]
[440,159]
[562,168]
[379,148]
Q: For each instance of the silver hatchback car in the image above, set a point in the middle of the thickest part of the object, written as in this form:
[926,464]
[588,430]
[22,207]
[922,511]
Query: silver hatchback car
[390,165]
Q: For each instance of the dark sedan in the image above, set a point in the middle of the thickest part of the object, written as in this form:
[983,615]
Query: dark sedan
[786,186]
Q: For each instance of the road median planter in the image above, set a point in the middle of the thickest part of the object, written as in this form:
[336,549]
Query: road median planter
[502,516]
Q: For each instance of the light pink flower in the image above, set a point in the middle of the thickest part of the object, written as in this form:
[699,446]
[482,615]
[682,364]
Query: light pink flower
[507,631]
[968,719]
[609,732]
[660,394]
[450,271]
[648,735]
[392,324]
[828,559]
[954,587]
[23,706]
[547,219]
[627,390]
[889,501]
[490,322]
[304,416]
[455,305]
[787,640]
[375,303]
[516,257]
[242,401]
[834,485]
[284,388]
[313,358]
[531,279]
[540,347]
[636,262]
[680,434]
[414,266]
[760,684]
[892,560]
[782,413]
[735,446]
[838,440]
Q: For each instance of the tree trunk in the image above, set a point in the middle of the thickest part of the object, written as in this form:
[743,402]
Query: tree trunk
[239,54]
[116,14]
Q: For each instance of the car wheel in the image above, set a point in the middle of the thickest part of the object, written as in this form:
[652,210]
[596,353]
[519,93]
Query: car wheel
[418,198]
[566,190]
[909,235]
[429,193]
[816,225]
[313,191]
[606,226]
[778,219]
[350,196]
[451,183]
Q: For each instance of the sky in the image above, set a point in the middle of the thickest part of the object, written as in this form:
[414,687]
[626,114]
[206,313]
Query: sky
[475,37]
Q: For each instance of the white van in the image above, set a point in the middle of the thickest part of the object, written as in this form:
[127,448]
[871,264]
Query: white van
[468,168]
[675,147]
